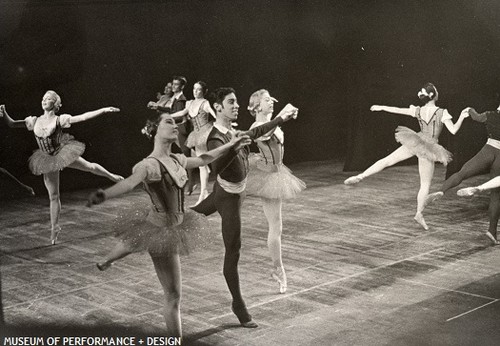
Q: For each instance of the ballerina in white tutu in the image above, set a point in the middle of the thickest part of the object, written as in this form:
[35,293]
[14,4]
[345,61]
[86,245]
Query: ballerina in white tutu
[423,144]
[57,150]
[163,229]
[270,179]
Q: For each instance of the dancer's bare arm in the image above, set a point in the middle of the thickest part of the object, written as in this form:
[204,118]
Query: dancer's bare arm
[396,110]
[118,189]
[453,128]
[92,114]
[9,121]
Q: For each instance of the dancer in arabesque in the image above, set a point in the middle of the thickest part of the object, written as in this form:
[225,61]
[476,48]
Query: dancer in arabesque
[57,150]
[423,144]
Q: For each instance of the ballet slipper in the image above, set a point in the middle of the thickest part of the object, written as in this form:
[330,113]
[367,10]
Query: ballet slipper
[244,317]
[468,191]
[103,266]
[420,220]
[116,178]
[353,180]
[492,238]
[279,275]
[191,189]
[54,233]
[433,197]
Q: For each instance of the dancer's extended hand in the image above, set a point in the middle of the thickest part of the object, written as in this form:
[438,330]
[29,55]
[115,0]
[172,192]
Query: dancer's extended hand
[465,112]
[111,109]
[289,112]
[376,108]
[152,105]
[96,197]
[239,139]
[2,110]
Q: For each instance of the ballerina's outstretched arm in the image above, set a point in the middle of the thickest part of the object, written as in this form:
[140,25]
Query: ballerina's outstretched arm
[118,189]
[396,110]
[9,121]
[92,114]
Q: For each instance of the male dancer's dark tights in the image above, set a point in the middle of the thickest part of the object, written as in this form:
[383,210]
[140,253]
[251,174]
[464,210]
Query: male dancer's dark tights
[487,158]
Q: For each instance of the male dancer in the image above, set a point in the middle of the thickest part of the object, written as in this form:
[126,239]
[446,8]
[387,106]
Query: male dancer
[229,188]
[488,158]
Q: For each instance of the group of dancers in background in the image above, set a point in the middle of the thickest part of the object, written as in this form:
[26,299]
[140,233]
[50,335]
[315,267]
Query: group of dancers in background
[165,228]
[204,133]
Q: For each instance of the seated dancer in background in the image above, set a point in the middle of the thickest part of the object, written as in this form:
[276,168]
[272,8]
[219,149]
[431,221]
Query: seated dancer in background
[163,229]
[487,159]
[57,150]
[229,189]
[423,144]
[270,179]
[201,116]
[26,187]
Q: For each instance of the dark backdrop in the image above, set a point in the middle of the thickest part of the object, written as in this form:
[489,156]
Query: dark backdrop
[331,59]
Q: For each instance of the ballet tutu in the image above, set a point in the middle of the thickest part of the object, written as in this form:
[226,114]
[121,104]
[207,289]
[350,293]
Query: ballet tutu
[422,145]
[69,150]
[197,139]
[271,181]
[144,229]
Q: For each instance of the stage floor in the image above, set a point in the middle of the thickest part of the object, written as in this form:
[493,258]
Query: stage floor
[360,270]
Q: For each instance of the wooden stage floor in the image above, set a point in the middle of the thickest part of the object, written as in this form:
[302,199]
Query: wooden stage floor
[361,271]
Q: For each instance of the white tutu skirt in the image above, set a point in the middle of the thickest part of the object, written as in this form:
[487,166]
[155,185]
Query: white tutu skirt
[422,145]
[272,181]
[69,150]
[198,139]
[144,229]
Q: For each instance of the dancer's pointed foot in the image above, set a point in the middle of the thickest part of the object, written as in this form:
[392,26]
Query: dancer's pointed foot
[203,195]
[54,233]
[279,275]
[103,266]
[244,317]
[191,189]
[420,219]
[353,180]
[433,197]
[116,178]
[468,191]
[29,189]
[492,238]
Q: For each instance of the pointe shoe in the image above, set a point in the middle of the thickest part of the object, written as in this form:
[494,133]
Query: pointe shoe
[244,317]
[191,189]
[54,233]
[433,197]
[420,220]
[468,191]
[492,238]
[279,275]
[200,199]
[103,266]
[117,178]
[353,180]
